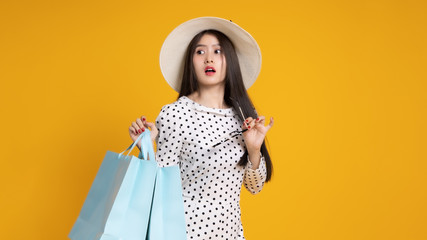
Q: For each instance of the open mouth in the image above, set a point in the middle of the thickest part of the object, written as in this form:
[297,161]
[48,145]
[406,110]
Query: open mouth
[209,70]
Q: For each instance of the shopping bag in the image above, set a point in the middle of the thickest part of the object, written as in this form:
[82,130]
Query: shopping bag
[167,220]
[119,203]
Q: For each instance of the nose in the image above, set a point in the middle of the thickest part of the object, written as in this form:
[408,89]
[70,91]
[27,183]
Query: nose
[208,59]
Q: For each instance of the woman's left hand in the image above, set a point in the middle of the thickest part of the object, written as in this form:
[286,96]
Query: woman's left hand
[254,136]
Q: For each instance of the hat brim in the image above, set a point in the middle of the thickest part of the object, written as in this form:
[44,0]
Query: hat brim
[172,54]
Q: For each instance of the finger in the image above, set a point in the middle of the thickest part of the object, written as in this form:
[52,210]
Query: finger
[251,124]
[270,124]
[260,120]
[246,122]
[140,123]
[137,128]
[132,130]
[143,119]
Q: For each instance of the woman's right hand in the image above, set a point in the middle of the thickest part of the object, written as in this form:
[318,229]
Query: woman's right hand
[139,127]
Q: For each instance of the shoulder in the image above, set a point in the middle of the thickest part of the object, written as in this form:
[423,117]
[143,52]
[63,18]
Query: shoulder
[176,107]
[176,111]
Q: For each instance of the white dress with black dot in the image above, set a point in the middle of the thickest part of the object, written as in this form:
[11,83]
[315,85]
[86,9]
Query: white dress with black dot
[211,178]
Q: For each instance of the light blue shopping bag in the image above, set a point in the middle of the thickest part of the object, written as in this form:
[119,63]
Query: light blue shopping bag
[132,198]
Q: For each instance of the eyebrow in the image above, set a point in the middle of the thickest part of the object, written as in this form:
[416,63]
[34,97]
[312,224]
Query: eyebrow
[202,45]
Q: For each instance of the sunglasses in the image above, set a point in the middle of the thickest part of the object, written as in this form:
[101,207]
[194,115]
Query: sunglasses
[232,134]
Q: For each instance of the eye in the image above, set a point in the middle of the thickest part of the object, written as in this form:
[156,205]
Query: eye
[200,52]
[218,51]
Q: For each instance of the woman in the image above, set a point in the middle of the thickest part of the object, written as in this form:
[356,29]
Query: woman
[212,131]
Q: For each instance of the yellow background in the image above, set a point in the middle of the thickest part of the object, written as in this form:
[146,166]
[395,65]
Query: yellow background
[344,80]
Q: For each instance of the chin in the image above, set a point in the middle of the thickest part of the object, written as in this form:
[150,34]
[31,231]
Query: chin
[211,83]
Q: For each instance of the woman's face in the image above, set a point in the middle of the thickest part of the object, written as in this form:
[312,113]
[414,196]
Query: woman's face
[209,62]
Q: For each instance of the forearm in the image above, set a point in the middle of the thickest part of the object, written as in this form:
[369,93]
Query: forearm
[255,158]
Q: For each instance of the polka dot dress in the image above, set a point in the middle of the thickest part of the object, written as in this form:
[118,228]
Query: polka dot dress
[211,178]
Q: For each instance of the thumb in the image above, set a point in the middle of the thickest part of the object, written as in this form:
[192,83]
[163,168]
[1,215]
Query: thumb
[151,125]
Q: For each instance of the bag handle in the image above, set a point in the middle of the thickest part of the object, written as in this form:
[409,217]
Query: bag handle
[146,146]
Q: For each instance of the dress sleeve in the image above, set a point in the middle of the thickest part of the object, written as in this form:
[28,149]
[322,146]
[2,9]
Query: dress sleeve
[254,179]
[169,139]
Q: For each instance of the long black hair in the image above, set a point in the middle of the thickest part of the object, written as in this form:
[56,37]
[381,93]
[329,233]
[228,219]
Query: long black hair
[235,93]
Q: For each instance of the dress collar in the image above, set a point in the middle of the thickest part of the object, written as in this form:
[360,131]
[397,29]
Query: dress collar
[198,107]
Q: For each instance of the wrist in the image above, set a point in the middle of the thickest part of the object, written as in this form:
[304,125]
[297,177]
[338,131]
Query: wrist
[254,158]
[254,153]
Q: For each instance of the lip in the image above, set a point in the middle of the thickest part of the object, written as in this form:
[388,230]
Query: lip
[210,73]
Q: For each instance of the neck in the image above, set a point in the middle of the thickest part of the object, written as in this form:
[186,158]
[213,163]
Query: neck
[212,97]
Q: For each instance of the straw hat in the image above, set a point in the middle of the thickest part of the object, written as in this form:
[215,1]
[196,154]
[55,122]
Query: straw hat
[172,54]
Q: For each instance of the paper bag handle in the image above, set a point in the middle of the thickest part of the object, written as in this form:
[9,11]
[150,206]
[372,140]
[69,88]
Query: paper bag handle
[146,146]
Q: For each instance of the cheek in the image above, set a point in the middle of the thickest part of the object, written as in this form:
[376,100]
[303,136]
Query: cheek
[196,61]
